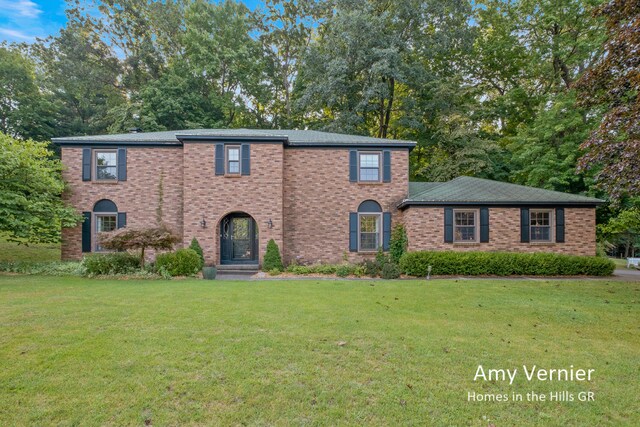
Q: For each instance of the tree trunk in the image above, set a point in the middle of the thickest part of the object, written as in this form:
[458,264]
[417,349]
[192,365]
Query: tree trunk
[142,258]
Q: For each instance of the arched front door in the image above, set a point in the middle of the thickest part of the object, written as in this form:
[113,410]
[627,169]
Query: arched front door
[238,239]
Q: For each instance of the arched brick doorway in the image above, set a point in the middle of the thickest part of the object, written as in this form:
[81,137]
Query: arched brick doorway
[238,239]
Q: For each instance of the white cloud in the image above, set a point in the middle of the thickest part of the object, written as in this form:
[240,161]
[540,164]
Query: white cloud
[15,34]
[20,8]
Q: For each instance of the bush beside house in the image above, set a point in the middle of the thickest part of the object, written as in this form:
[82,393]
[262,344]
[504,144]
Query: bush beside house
[503,264]
[183,262]
[272,260]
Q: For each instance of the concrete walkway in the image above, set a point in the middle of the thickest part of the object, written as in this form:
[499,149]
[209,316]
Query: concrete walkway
[625,274]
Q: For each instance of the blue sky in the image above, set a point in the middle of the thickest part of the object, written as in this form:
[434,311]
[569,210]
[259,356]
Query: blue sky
[24,20]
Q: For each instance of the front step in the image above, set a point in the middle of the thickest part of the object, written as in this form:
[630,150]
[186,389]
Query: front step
[238,267]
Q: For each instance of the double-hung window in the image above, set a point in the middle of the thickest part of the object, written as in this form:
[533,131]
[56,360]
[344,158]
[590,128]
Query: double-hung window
[106,163]
[369,232]
[233,160]
[465,229]
[540,225]
[369,167]
[104,223]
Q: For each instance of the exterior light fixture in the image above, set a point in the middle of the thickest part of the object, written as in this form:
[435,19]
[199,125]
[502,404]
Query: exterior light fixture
[203,223]
[270,223]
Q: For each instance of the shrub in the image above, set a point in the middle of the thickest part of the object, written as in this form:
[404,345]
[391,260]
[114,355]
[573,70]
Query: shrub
[371,268]
[56,268]
[390,271]
[398,243]
[503,264]
[110,263]
[272,259]
[128,238]
[183,262]
[195,245]
[344,270]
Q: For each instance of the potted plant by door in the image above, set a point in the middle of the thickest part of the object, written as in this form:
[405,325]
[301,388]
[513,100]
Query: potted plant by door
[209,272]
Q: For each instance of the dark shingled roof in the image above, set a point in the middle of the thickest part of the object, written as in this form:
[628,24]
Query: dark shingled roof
[289,137]
[469,191]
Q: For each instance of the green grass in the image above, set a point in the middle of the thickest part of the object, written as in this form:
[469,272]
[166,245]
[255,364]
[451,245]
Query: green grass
[11,251]
[621,263]
[76,351]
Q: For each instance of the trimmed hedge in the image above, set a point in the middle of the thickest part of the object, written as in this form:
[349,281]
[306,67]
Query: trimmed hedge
[272,259]
[183,262]
[111,263]
[503,264]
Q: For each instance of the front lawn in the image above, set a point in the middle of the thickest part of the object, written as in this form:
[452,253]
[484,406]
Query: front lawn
[77,351]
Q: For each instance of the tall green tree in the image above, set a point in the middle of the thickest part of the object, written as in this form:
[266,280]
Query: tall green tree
[83,75]
[31,207]
[25,111]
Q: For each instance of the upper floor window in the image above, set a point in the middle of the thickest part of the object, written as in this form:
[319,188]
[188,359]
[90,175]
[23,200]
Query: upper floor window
[233,159]
[465,225]
[540,225]
[106,163]
[369,167]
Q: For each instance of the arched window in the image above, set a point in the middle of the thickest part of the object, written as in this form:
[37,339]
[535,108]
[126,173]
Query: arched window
[105,217]
[369,226]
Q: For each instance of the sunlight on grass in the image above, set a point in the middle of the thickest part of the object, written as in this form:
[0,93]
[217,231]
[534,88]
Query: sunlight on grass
[10,251]
[78,351]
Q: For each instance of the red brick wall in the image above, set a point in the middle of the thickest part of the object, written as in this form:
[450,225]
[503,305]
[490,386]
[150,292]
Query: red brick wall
[318,198]
[258,194]
[425,230]
[138,196]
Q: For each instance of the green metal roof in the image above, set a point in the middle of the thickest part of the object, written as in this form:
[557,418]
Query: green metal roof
[466,190]
[291,137]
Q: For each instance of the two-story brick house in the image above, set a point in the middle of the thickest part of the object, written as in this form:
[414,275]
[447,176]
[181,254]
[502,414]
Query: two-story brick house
[320,196]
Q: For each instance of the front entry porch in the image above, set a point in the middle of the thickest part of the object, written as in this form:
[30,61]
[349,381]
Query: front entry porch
[238,240]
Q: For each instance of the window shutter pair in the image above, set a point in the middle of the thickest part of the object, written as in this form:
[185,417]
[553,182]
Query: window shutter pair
[484,225]
[121,159]
[245,163]
[525,223]
[386,166]
[353,231]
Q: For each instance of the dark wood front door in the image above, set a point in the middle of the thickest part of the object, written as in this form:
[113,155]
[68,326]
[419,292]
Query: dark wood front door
[238,239]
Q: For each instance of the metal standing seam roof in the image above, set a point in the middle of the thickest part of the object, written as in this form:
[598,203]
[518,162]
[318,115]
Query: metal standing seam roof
[469,190]
[289,137]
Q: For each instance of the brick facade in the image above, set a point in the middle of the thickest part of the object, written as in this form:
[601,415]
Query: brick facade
[138,196]
[259,194]
[304,193]
[425,231]
[318,198]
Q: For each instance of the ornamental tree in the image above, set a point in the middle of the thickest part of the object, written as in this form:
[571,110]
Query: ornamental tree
[613,84]
[31,186]
[159,237]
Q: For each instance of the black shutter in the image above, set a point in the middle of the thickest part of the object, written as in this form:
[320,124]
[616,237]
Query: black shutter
[246,159]
[353,232]
[386,166]
[484,225]
[86,232]
[219,163]
[122,164]
[559,225]
[448,225]
[524,225]
[353,165]
[86,164]
[386,230]
[122,219]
